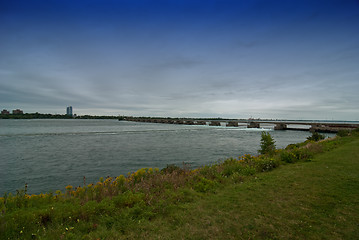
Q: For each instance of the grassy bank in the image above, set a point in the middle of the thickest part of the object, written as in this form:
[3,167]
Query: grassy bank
[314,198]
[307,200]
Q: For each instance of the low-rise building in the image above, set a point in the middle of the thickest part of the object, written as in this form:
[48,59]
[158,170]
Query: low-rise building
[17,111]
[5,112]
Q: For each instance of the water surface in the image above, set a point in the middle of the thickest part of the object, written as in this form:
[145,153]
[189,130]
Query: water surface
[49,154]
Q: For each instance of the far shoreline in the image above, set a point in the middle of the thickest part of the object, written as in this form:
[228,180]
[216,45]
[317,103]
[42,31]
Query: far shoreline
[53,116]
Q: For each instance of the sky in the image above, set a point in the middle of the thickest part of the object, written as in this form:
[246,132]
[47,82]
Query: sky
[278,59]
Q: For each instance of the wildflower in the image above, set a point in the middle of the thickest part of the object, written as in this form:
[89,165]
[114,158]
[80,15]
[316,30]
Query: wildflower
[68,187]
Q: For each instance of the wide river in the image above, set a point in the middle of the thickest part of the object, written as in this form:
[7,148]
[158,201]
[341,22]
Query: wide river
[51,154]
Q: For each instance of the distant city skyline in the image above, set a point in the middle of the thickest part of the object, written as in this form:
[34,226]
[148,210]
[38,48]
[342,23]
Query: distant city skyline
[191,58]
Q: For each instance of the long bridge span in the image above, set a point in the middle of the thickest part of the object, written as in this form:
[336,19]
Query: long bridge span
[313,126]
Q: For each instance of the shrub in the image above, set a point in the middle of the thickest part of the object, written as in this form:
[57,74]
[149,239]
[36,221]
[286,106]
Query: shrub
[170,168]
[316,137]
[267,144]
[355,132]
[287,156]
[204,185]
[291,146]
[343,133]
[298,154]
[266,164]
[303,154]
[231,166]
[248,170]
[210,172]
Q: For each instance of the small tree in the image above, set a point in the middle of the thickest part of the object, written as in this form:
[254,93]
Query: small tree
[267,144]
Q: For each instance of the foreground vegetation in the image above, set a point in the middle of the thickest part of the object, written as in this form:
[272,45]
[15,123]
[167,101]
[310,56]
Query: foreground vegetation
[316,198]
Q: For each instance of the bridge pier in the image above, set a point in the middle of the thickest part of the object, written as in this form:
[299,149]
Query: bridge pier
[215,123]
[200,123]
[232,124]
[253,125]
[280,126]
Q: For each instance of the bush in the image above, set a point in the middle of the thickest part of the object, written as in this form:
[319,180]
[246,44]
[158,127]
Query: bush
[248,171]
[288,157]
[210,172]
[316,137]
[303,154]
[266,164]
[267,144]
[204,185]
[231,166]
[170,168]
[355,132]
[343,133]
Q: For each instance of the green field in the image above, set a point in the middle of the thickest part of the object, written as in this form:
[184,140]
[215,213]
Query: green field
[305,192]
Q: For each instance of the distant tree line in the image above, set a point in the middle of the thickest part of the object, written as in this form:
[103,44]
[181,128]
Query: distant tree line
[96,117]
[51,116]
[174,118]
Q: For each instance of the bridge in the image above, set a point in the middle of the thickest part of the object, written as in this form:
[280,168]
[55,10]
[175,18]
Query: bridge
[313,126]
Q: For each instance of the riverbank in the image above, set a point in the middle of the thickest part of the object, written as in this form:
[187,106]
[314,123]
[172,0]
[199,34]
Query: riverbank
[315,198]
[306,200]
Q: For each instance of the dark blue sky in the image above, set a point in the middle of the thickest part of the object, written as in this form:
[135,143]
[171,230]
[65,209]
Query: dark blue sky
[292,59]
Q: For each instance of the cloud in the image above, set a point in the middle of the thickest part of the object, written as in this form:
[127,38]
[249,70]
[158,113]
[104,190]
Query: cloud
[231,58]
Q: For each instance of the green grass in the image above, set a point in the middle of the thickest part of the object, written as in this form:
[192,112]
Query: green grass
[307,200]
[314,198]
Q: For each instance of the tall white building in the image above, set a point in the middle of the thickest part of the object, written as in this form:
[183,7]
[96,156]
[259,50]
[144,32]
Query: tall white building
[69,111]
